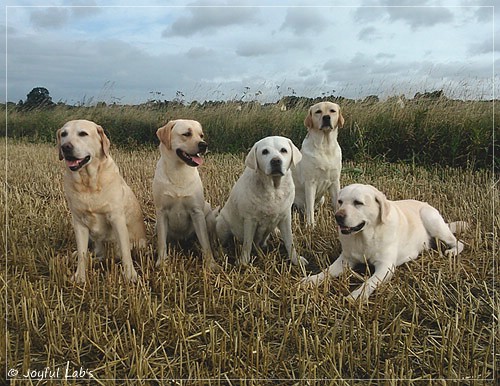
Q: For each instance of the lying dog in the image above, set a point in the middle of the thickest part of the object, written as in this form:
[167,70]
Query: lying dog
[103,206]
[384,233]
[319,170]
[262,198]
[181,209]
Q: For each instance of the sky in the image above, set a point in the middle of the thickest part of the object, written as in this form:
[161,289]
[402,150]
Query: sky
[86,52]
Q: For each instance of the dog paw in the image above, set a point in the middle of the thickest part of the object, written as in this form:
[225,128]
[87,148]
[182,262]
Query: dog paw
[361,294]
[299,260]
[455,251]
[352,297]
[212,266]
[161,259]
[78,277]
[311,281]
[244,261]
[130,274]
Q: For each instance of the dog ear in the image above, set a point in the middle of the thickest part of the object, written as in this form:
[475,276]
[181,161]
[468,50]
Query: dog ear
[59,150]
[164,134]
[251,159]
[308,122]
[340,122]
[296,154]
[105,144]
[383,203]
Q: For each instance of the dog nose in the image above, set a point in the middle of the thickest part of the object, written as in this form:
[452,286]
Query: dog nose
[275,162]
[326,120]
[67,147]
[340,217]
[202,147]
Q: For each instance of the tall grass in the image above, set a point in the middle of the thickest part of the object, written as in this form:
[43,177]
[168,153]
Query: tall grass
[434,321]
[424,131]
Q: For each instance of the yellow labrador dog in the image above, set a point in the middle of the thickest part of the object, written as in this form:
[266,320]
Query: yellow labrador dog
[385,234]
[103,206]
[319,170]
[181,209]
[262,198]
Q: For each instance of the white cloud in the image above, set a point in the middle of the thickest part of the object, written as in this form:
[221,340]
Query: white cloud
[420,15]
[202,18]
[126,53]
[302,20]
[53,17]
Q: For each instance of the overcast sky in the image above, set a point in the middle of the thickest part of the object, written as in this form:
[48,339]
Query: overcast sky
[111,51]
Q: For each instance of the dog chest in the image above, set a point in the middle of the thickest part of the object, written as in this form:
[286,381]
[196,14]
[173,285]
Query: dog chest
[177,213]
[98,224]
[270,202]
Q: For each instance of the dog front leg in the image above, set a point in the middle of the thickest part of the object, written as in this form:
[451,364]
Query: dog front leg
[119,224]
[334,270]
[82,242]
[249,227]
[310,192]
[383,273]
[222,230]
[200,228]
[285,227]
[161,234]
[334,193]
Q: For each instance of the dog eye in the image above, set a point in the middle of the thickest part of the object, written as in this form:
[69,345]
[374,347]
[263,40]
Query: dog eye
[83,134]
[357,203]
[265,151]
[283,150]
[188,134]
[332,111]
[340,202]
[64,134]
[318,112]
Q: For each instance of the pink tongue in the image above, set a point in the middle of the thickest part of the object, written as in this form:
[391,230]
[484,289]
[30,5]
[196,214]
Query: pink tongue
[72,163]
[198,160]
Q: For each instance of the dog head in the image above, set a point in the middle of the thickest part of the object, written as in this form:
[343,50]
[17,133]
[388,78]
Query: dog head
[185,138]
[360,207]
[324,116]
[80,141]
[273,156]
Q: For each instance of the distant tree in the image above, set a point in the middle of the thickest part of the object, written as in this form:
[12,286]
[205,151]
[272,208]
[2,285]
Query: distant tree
[433,95]
[371,99]
[38,97]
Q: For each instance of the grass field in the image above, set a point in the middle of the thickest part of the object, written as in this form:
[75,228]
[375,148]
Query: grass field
[435,320]
[424,131]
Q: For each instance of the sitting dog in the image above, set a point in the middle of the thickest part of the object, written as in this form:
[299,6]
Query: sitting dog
[319,170]
[385,234]
[103,206]
[261,199]
[181,209]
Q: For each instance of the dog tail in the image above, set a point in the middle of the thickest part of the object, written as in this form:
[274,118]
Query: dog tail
[458,226]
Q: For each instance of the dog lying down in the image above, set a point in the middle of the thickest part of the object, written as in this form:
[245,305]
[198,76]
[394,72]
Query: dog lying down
[385,234]
[261,200]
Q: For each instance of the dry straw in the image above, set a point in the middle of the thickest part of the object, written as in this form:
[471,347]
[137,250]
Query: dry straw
[434,321]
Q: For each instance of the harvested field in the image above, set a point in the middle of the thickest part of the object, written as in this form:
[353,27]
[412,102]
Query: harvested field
[437,319]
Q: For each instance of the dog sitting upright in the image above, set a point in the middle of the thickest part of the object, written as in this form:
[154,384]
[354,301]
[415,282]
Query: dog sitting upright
[261,200]
[103,206]
[181,209]
[319,170]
